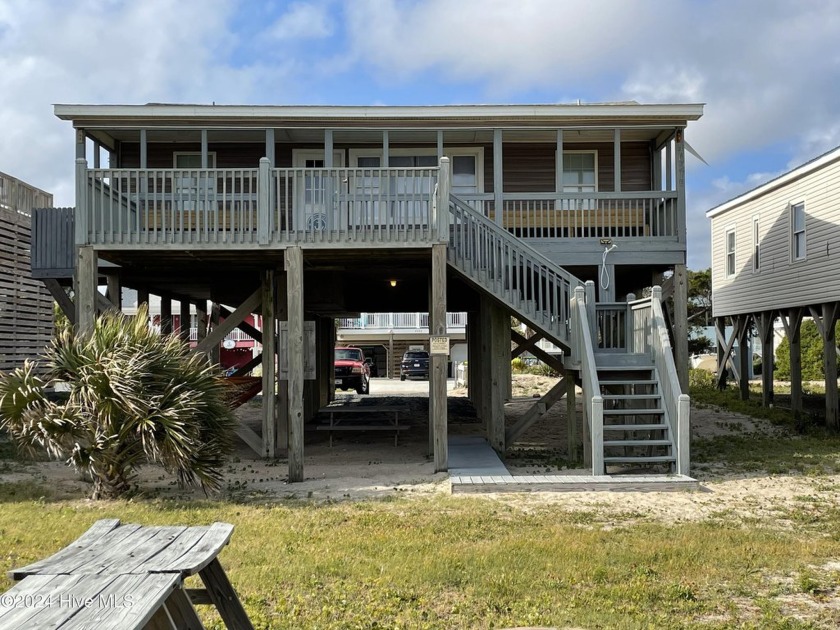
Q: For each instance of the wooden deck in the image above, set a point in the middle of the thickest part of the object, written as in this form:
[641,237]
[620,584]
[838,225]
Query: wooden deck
[571,483]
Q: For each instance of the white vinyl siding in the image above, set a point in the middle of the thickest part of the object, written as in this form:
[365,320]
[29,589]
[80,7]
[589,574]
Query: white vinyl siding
[783,282]
[797,237]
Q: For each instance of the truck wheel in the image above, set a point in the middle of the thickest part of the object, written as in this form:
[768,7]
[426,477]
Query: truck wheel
[402,377]
[363,388]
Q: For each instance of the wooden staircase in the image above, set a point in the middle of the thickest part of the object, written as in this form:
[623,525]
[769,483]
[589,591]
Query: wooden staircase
[620,351]
[636,428]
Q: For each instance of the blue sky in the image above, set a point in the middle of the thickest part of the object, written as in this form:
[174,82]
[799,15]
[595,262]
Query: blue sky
[768,70]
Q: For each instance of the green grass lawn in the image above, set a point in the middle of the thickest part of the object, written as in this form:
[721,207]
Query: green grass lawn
[454,562]
[448,562]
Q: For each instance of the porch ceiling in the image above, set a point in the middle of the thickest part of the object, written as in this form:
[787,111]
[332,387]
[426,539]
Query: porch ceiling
[352,137]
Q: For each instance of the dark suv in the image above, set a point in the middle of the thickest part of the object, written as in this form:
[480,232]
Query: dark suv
[352,371]
[415,364]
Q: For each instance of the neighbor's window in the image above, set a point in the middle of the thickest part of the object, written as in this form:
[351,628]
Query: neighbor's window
[730,253]
[797,242]
[756,246]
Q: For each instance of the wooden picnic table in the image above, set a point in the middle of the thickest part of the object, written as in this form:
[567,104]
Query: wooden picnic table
[125,576]
[348,417]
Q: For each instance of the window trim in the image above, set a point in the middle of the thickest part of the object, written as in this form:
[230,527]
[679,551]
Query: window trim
[793,233]
[450,152]
[593,152]
[756,253]
[726,253]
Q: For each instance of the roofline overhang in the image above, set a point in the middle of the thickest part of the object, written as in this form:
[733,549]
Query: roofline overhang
[800,171]
[120,115]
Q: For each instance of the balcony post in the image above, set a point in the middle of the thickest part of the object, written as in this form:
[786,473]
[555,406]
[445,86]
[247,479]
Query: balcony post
[498,177]
[441,204]
[617,159]
[680,164]
[82,209]
[263,206]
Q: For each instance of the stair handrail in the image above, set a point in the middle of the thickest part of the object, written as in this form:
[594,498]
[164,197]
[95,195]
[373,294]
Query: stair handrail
[555,303]
[677,404]
[584,355]
[514,241]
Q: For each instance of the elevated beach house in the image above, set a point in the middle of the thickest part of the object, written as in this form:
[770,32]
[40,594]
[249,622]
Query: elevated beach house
[775,255]
[552,214]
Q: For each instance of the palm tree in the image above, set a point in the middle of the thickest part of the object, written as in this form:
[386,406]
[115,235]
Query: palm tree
[135,397]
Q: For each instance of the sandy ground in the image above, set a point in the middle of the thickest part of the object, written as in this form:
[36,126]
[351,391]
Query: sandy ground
[365,465]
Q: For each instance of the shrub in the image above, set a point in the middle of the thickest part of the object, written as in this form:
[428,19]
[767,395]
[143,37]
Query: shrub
[812,354]
[517,365]
[134,397]
[701,378]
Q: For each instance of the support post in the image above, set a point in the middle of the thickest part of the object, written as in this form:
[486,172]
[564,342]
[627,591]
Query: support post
[497,358]
[764,323]
[793,327]
[294,293]
[437,370]
[681,325]
[86,289]
[744,358]
[617,160]
[269,375]
[114,291]
[829,335]
[282,408]
[720,338]
[474,362]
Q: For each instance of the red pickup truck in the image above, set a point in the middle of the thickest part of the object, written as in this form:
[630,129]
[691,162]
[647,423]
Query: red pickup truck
[352,370]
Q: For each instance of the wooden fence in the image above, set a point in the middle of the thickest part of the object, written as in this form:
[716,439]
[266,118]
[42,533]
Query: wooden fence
[26,307]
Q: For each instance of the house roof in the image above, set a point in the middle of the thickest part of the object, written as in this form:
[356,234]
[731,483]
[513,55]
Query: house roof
[777,182]
[474,115]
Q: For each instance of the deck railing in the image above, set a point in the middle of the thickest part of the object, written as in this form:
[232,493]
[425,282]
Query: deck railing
[583,353]
[648,214]
[353,204]
[399,321]
[255,206]
[250,207]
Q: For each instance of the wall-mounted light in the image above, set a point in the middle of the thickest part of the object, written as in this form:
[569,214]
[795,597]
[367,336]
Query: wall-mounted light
[393,283]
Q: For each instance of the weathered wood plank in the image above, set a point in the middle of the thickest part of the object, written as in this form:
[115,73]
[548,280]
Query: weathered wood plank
[294,297]
[221,330]
[99,529]
[537,411]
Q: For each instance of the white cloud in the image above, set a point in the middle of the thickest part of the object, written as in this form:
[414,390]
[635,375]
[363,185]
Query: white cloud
[303,21]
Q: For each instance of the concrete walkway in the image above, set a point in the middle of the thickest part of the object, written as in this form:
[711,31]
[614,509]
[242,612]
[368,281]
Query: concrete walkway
[472,456]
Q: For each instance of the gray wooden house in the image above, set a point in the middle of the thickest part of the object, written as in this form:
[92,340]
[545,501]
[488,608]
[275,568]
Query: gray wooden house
[308,214]
[774,256]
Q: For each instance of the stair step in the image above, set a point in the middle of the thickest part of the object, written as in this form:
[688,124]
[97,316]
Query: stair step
[631,396]
[640,460]
[637,442]
[633,412]
[624,368]
[636,427]
[626,381]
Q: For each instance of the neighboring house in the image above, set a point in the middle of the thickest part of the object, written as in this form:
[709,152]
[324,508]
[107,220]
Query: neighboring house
[306,215]
[385,337]
[26,308]
[776,254]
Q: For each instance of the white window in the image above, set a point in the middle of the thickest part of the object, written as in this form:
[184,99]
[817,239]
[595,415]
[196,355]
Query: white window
[580,175]
[797,240]
[756,246]
[730,252]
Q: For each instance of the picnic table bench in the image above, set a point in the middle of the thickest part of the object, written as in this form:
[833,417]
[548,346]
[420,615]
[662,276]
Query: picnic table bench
[346,418]
[124,577]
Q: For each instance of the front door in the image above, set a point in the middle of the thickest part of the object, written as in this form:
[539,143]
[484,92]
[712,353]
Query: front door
[316,190]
